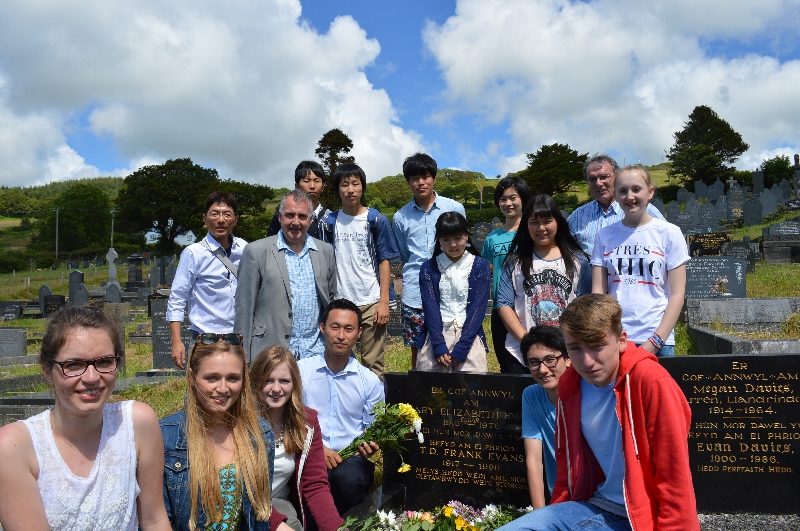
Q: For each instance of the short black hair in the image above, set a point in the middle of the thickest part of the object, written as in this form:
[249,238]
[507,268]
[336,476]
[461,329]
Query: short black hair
[419,164]
[346,170]
[340,304]
[548,336]
[221,197]
[517,183]
[308,166]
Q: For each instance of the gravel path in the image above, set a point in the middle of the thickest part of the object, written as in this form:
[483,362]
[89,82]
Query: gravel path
[749,522]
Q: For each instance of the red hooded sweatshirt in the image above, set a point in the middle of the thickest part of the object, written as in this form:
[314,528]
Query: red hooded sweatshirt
[655,420]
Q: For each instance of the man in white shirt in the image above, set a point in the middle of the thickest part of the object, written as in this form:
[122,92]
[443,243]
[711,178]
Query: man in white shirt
[206,276]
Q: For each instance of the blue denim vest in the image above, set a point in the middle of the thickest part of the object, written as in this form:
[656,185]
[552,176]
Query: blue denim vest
[177,494]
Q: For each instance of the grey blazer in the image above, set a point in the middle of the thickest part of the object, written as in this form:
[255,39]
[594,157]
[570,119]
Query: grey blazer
[263,295]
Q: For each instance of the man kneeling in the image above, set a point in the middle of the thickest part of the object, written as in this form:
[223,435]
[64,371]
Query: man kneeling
[622,428]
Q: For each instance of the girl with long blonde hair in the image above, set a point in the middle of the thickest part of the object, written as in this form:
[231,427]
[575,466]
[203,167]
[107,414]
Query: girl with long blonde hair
[216,448]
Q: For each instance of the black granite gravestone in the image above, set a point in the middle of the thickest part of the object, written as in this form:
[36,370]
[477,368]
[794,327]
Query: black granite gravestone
[719,276]
[12,312]
[744,441]
[686,221]
[52,304]
[707,244]
[473,451]
[742,250]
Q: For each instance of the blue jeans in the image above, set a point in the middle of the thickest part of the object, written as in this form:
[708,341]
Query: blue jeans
[568,516]
[665,352]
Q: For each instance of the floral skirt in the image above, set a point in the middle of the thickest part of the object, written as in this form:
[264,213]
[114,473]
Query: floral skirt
[474,362]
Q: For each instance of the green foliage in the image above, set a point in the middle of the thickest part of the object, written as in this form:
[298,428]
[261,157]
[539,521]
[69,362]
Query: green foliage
[13,261]
[776,169]
[668,192]
[253,216]
[84,220]
[15,204]
[705,148]
[458,176]
[554,169]
[485,214]
[393,191]
[332,150]
[167,197]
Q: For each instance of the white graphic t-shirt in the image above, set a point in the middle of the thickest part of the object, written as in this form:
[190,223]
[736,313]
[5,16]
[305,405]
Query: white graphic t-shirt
[355,273]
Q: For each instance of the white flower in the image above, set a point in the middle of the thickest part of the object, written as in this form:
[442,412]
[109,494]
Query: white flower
[420,438]
[386,518]
[417,425]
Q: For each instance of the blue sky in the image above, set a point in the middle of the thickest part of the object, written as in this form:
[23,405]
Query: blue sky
[91,88]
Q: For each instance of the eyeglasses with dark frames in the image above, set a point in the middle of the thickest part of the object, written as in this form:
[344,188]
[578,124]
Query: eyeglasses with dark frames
[550,362]
[210,338]
[72,368]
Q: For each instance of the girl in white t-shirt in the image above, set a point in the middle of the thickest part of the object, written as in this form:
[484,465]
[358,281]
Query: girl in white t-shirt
[641,261]
[544,271]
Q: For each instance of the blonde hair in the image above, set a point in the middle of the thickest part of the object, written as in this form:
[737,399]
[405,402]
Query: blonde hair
[294,414]
[250,452]
[590,317]
[634,168]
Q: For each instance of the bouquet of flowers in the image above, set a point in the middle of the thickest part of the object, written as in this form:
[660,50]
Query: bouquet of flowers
[455,516]
[719,286]
[391,424]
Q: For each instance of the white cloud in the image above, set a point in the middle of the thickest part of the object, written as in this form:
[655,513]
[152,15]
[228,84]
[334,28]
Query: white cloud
[245,87]
[616,75]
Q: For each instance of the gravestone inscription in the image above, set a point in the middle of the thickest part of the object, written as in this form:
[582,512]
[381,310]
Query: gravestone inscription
[52,304]
[742,250]
[745,431]
[480,232]
[13,342]
[707,244]
[719,276]
[12,312]
[473,451]
[161,335]
[735,200]
[708,217]
[686,222]
[753,211]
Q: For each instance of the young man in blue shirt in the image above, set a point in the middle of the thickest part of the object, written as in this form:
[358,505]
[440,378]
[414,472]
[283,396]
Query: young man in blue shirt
[363,242]
[415,229]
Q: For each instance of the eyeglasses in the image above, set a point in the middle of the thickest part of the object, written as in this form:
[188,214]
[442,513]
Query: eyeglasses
[224,215]
[210,339]
[599,178]
[550,362]
[103,365]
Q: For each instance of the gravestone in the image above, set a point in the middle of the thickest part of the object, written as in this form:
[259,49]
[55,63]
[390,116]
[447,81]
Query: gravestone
[52,304]
[692,206]
[744,250]
[753,211]
[44,292]
[722,207]
[744,435]
[796,181]
[143,293]
[12,312]
[496,223]
[758,182]
[473,451]
[769,202]
[683,195]
[785,228]
[394,328]
[134,273]
[707,244]
[672,211]
[719,276]
[786,189]
[701,190]
[157,273]
[479,234]
[13,342]
[686,222]
[781,243]
[112,256]
[716,190]
[161,335]
[75,280]
[735,201]
[708,217]
[113,294]
[169,274]
[81,296]
[659,205]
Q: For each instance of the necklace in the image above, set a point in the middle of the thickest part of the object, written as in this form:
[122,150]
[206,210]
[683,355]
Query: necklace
[279,439]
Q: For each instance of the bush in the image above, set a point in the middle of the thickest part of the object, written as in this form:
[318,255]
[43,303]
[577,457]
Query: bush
[669,192]
[475,215]
[13,261]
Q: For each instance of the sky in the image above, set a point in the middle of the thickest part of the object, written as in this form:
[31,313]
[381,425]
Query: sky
[95,88]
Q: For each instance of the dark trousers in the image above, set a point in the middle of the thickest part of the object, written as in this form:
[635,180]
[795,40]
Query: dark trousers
[350,482]
[508,363]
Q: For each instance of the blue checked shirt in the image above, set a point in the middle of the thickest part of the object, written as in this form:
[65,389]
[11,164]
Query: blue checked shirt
[343,401]
[586,221]
[203,281]
[306,339]
[415,231]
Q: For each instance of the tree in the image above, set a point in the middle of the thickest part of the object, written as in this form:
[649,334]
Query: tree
[84,220]
[253,216]
[15,204]
[393,189]
[329,149]
[554,169]
[705,148]
[168,198]
[776,169]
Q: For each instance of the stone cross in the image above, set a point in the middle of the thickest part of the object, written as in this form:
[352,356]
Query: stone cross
[731,182]
[112,255]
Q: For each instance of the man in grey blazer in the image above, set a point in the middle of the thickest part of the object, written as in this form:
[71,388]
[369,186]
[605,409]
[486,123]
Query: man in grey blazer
[285,282]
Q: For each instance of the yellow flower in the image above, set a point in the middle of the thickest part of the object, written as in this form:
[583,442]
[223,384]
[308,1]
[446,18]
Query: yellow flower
[408,413]
[460,523]
[404,468]
[448,511]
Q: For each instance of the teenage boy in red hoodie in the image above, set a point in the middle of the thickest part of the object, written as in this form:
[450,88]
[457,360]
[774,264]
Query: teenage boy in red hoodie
[622,428]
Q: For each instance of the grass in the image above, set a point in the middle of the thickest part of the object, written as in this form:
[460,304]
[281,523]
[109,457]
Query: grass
[774,280]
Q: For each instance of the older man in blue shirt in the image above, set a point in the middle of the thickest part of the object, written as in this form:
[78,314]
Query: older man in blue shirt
[586,221]
[415,229]
[343,392]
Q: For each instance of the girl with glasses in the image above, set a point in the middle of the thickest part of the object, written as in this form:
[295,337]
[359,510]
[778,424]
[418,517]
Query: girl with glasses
[301,493]
[218,455]
[83,464]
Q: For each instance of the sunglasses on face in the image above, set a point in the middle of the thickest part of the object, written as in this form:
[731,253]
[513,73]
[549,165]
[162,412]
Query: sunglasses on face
[210,339]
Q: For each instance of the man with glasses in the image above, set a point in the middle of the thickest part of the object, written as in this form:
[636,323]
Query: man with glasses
[585,221]
[206,277]
[546,357]
[309,177]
